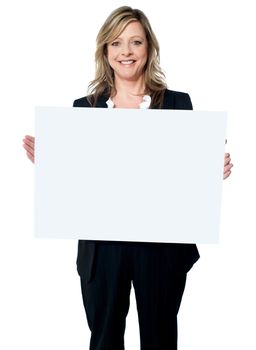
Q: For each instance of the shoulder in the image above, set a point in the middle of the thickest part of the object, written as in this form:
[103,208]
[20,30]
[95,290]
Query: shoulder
[176,100]
[86,102]
[81,102]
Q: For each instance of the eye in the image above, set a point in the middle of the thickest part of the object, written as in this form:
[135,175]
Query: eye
[137,42]
[115,43]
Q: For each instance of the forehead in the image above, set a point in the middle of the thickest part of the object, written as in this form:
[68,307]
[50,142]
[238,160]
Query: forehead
[133,29]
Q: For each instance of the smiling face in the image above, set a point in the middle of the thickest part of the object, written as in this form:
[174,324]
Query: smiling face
[127,54]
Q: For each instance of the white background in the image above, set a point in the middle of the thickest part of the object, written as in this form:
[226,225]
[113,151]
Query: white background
[47,58]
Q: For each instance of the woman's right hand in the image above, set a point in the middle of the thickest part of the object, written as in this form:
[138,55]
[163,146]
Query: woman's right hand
[29,145]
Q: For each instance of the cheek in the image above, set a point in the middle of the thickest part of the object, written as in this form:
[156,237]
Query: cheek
[110,59]
[144,55]
[112,52]
[144,58]
[109,53]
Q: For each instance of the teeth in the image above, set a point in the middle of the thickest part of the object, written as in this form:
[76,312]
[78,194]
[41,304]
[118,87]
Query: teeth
[127,62]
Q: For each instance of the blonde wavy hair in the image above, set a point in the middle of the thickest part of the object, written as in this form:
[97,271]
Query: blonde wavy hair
[154,78]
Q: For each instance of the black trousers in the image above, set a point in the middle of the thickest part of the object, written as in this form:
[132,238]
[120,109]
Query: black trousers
[158,291]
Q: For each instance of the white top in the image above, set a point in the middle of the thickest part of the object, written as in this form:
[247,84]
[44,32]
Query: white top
[143,105]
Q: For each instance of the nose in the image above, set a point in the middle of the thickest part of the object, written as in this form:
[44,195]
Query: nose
[126,49]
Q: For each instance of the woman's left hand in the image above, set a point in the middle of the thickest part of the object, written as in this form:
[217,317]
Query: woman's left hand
[227,166]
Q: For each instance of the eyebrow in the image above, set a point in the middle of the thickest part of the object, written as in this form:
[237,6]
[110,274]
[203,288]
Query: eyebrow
[132,37]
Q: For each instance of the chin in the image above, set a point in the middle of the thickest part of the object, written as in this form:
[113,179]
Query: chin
[130,77]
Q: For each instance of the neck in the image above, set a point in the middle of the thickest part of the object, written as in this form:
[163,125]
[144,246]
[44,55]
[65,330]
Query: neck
[130,88]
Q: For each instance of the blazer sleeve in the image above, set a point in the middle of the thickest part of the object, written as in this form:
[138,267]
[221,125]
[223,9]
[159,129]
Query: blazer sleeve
[81,102]
[183,101]
[177,100]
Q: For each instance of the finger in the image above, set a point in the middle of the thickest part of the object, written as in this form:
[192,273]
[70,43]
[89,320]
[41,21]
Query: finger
[30,138]
[226,175]
[31,157]
[31,153]
[227,160]
[29,142]
[228,167]
[28,148]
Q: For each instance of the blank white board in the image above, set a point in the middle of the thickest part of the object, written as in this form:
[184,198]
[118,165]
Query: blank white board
[129,174]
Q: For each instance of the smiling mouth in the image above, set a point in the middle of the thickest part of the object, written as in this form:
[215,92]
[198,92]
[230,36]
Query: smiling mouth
[127,62]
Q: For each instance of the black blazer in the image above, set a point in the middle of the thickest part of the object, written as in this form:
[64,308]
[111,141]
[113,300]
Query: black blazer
[181,257]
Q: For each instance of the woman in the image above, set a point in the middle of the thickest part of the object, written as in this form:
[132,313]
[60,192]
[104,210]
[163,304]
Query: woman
[128,75]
